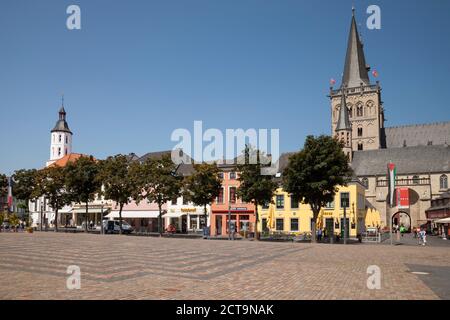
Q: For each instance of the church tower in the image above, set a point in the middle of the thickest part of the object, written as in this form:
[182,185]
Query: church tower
[61,138]
[365,110]
[344,127]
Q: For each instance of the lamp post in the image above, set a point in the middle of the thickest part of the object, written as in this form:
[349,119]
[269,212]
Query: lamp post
[42,212]
[229,222]
[101,219]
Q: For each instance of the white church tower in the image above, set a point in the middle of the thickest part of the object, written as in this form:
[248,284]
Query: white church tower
[61,138]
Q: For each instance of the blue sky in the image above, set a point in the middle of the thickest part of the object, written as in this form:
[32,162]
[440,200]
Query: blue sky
[137,70]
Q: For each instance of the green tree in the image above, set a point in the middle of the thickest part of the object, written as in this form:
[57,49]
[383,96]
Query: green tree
[82,182]
[314,173]
[254,187]
[118,176]
[23,187]
[159,183]
[50,182]
[3,187]
[202,186]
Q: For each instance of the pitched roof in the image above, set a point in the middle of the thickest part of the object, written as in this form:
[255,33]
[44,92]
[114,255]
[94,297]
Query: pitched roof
[355,69]
[71,157]
[408,160]
[415,135]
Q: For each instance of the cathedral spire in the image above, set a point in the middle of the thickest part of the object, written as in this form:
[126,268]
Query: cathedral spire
[355,69]
[343,122]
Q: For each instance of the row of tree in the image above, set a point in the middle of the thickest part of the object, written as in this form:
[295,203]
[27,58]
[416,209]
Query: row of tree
[312,174]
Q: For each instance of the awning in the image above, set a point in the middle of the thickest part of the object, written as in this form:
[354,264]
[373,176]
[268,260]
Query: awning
[134,214]
[90,210]
[174,214]
[445,220]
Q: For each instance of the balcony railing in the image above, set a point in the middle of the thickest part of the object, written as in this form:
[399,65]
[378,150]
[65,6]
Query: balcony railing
[405,182]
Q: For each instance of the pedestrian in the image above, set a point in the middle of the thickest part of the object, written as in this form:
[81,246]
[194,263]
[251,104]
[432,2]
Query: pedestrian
[423,235]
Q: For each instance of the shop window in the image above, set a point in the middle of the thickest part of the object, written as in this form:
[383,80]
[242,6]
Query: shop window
[280,224]
[294,224]
[280,201]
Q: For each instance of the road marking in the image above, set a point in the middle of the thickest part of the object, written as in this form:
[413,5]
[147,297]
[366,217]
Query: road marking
[420,273]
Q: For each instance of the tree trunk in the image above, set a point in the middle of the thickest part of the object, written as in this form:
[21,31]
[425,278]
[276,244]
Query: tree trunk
[315,211]
[160,229]
[256,222]
[56,219]
[206,216]
[120,218]
[87,216]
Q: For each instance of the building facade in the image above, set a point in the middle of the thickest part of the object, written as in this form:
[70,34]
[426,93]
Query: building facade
[420,153]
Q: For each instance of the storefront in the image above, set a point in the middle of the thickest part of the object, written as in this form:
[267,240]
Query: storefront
[141,221]
[242,219]
[186,220]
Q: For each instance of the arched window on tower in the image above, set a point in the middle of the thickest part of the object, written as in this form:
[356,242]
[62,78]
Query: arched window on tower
[59,138]
[443,182]
[360,132]
[360,146]
[59,152]
[359,111]
[67,139]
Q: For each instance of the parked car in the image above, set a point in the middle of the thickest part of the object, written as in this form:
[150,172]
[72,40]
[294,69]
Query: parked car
[113,226]
[5,225]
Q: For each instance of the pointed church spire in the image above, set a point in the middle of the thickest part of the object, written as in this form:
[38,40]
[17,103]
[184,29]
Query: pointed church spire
[343,122]
[355,69]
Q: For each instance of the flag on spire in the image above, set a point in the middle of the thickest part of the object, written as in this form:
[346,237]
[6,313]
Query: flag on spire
[375,73]
[332,82]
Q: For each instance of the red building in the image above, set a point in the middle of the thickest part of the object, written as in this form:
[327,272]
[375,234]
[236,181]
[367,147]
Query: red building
[228,205]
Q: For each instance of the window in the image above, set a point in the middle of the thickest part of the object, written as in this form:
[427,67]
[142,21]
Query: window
[294,224]
[65,152]
[330,205]
[220,196]
[59,138]
[350,112]
[280,224]
[360,147]
[67,139]
[359,111]
[233,195]
[59,151]
[265,205]
[365,182]
[360,132]
[185,201]
[280,201]
[264,224]
[345,199]
[232,175]
[220,175]
[294,202]
[443,182]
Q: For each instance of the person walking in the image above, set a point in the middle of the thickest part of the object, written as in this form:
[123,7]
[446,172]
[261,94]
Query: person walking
[319,235]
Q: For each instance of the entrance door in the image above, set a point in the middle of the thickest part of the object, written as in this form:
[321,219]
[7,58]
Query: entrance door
[342,228]
[219,225]
[329,226]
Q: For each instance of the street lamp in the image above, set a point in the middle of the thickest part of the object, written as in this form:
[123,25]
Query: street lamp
[101,219]
[42,212]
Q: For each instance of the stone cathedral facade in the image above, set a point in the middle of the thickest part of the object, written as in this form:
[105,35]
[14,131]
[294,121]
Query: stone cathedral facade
[421,152]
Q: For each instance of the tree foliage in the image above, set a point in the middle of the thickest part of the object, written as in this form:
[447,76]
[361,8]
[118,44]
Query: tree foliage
[3,185]
[203,185]
[51,183]
[314,173]
[118,175]
[254,187]
[82,181]
[159,183]
[24,184]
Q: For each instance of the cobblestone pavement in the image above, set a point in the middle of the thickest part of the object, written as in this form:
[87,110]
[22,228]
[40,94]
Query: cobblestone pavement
[33,266]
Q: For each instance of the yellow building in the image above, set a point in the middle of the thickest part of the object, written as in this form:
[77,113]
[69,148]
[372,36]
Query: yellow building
[288,215]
